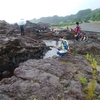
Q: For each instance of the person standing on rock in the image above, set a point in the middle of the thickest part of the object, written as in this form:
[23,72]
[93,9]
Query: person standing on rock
[22,24]
[63,50]
[77,31]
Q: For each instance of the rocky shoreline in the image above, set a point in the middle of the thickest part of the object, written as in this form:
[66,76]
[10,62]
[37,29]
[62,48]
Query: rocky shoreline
[34,78]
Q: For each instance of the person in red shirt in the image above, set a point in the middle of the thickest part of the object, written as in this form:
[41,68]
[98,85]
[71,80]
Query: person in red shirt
[77,31]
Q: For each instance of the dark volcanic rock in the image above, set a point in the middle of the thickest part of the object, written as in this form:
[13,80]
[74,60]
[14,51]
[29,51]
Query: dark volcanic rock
[86,47]
[46,79]
[43,79]
[31,29]
[16,50]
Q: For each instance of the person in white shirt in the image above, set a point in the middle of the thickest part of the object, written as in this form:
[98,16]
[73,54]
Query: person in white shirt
[22,24]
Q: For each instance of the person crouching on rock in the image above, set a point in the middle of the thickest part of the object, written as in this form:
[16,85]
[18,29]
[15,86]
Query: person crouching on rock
[63,50]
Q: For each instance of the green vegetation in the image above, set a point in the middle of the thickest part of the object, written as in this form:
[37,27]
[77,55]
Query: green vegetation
[64,88]
[62,24]
[75,53]
[91,90]
[91,87]
[35,99]
[86,15]
[63,62]
[92,61]
[58,97]
[94,16]
[83,80]
[32,81]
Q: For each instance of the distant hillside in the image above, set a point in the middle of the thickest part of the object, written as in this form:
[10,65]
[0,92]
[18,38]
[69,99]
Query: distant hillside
[94,16]
[82,15]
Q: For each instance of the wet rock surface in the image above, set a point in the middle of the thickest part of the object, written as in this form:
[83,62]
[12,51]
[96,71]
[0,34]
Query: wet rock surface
[34,78]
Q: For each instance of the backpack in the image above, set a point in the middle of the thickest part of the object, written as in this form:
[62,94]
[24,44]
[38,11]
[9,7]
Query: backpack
[65,45]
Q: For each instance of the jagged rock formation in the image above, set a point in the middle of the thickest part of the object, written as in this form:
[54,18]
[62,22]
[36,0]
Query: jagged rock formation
[47,78]
[34,78]
[16,50]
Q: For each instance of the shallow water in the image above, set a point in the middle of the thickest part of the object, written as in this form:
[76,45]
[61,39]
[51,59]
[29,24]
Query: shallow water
[53,51]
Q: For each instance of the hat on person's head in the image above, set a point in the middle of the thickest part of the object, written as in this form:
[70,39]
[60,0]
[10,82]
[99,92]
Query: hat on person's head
[61,37]
[77,23]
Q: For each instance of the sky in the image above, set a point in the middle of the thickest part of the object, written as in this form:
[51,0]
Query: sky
[13,10]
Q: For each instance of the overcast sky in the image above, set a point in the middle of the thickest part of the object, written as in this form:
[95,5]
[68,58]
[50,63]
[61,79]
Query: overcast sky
[13,10]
